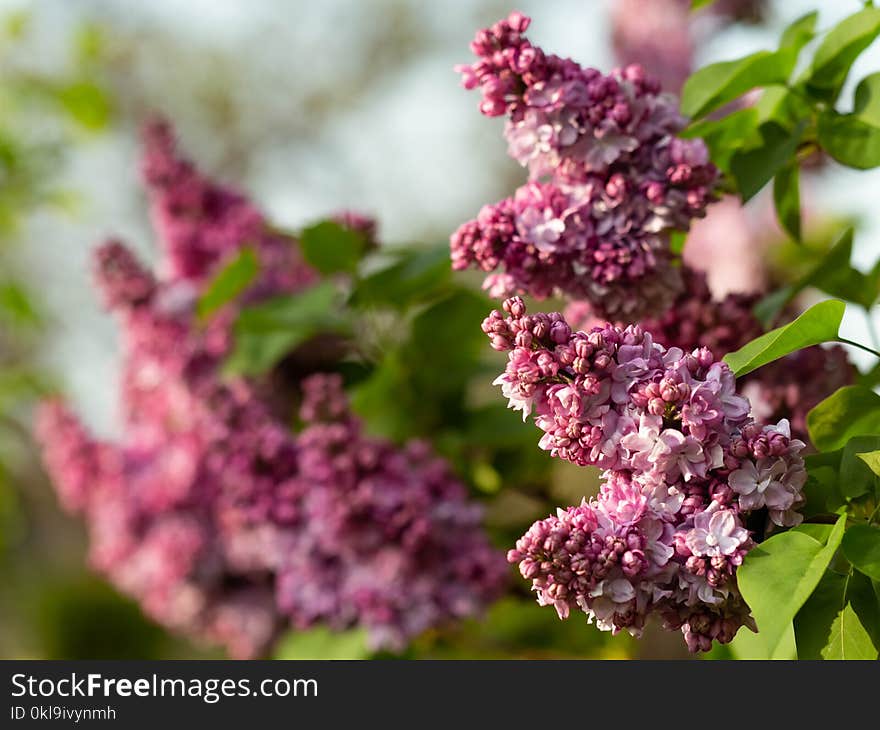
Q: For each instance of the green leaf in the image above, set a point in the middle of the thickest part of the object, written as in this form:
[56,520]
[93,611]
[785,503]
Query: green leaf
[16,306]
[268,331]
[867,98]
[850,411]
[864,595]
[719,83]
[321,643]
[779,104]
[698,4]
[856,478]
[854,139]
[723,137]
[800,32]
[331,247]
[872,459]
[861,546]
[779,575]
[849,139]
[820,323]
[837,52]
[768,308]
[748,646]
[787,200]
[849,640]
[86,103]
[754,167]
[415,276]
[822,491]
[812,625]
[833,275]
[229,282]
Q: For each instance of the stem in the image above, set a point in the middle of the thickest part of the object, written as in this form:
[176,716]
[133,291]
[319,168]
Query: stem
[856,344]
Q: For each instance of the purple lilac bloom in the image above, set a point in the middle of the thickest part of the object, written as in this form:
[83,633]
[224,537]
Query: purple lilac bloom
[608,179]
[207,509]
[685,466]
[387,538]
[788,388]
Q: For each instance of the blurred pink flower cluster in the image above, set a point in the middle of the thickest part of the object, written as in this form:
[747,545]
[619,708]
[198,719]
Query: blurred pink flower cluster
[685,468]
[608,179]
[209,511]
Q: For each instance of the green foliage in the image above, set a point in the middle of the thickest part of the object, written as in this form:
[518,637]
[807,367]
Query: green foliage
[812,624]
[854,139]
[321,643]
[779,575]
[754,167]
[331,247]
[87,104]
[834,275]
[872,459]
[861,546]
[266,332]
[851,411]
[849,639]
[787,200]
[719,83]
[838,51]
[856,477]
[229,282]
[820,323]
[413,276]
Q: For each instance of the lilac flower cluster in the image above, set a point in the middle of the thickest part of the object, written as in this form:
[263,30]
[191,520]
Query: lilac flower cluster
[221,522]
[685,466]
[608,179]
[387,537]
[788,388]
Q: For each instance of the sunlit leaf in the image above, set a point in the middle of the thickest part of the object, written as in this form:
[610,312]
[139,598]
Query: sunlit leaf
[778,576]
[839,49]
[849,639]
[820,323]
[853,410]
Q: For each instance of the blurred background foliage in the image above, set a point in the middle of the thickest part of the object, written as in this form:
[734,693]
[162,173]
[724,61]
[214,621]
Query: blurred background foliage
[311,108]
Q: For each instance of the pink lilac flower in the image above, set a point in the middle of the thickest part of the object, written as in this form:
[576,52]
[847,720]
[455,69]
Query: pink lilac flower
[788,388]
[207,509]
[608,179]
[685,467]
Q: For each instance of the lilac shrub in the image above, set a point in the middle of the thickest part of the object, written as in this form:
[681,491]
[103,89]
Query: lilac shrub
[608,179]
[685,470]
[208,510]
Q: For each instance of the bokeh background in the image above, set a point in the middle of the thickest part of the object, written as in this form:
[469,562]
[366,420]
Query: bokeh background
[310,107]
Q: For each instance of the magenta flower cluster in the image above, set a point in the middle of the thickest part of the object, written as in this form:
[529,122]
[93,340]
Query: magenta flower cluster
[209,511]
[685,468]
[608,179]
[788,388]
